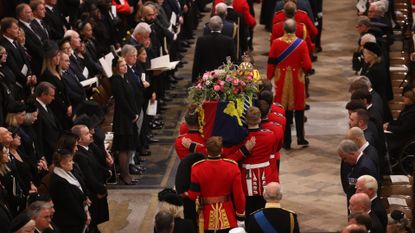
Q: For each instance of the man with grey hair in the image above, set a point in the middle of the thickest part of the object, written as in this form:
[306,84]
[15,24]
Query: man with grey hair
[212,50]
[360,203]
[368,184]
[141,35]
[229,28]
[273,216]
[40,212]
[292,64]
[354,165]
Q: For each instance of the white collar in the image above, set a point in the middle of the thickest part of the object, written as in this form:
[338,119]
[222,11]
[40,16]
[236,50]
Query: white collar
[85,147]
[42,104]
[9,39]
[358,157]
[25,23]
[49,7]
[68,176]
[215,31]
[369,106]
[374,197]
[363,147]
[38,20]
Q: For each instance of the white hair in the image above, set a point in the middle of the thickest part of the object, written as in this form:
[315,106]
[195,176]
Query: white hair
[70,33]
[370,182]
[141,28]
[221,9]
[367,38]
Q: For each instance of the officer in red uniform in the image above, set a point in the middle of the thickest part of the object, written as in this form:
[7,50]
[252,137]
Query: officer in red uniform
[300,32]
[192,133]
[277,111]
[242,7]
[300,17]
[288,61]
[256,168]
[276,128]
[213,181]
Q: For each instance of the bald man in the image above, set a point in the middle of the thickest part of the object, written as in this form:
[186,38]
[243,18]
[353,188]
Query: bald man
[360,203]
[355,228]
[273,216]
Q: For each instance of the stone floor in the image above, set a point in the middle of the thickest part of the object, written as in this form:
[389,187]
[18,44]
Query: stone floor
[309,176]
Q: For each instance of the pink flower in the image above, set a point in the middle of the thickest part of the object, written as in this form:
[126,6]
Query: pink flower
[216,88]
[242,83]
[229,78]
[221,83]
[235,91]
[235,82]
[249,78]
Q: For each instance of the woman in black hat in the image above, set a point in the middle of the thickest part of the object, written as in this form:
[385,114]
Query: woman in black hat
[61,106]
[375,71]
[125,117]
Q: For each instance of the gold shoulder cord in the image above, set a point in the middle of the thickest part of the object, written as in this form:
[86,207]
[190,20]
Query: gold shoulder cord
[291,222]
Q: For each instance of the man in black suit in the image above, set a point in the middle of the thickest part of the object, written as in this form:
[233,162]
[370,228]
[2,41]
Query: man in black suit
[46,123]
[238,19]
[34,43]
[375,112]
[40,212]
[15,57]
[74,90]
[38,24]
[368,184]
[229,28]
[5,215]
[356,134]
[55,20]
[212,50]
[273,216]
[95,176]
[79,69]
[360,165]
[360,203]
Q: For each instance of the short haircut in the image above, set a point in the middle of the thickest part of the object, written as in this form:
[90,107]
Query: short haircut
[33,210]
[127,49]
[263,108]
[19,9]
[253,116]
[367,38]
[221,9]
[163,222]
[367,80]
[347,146]
[267,96]
[289,26]
[214,146]
[353,105]
[7,23]
[265,85]
[362,219]
[358,84]
[215,23]
[362,114]
[362,94]
[289,9]
[76,129]
[70,33]
[356,133]
[272,192]
[141,29]
[34,4]
[192,118]
[43,88]
[370,182]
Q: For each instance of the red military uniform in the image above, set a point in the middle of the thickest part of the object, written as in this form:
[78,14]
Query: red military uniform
[122,8]
[196,138]
[278,131]
[183,128]
[256,170]
[300,32]
[214,180]
[278,108]
[289,73]
[242,7]
[299,17]
[278,118]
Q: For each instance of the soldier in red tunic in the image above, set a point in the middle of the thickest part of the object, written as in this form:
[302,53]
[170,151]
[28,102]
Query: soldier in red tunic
[287,63]
[213,181]
[256,168]
[192,133]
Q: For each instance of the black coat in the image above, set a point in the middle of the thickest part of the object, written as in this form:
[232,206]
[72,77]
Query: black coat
[364,166]
[34,46]
[403,127]
[377,104]
[6,98]
[211,52]
[135,79]
[236,17]
[377,74]
[125,109]
[61,102]
[372,154]
[95,178]
[74,89]
[56,23]
[5,214]
[46,124]
[376,225]
[379,210]
[183,226]
[69,205]
[279,218]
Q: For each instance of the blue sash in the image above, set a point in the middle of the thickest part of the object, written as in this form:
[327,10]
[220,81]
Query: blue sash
[285,53]
[263,223]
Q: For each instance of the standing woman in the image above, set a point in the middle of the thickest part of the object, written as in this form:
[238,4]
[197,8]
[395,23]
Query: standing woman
[70,200]
[61,106]
[6,85]
[125,118]
[377,72]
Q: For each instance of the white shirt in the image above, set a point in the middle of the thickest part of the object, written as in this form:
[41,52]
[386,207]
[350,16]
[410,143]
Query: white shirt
[85,147]
[361,149]
[358,157]
[26,23]
[42,104]
[9,39]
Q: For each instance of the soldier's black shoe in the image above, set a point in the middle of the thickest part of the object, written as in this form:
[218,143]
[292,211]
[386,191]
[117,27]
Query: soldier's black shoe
[302,142]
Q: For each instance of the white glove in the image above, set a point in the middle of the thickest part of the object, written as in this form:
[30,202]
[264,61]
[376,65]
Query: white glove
[241,224]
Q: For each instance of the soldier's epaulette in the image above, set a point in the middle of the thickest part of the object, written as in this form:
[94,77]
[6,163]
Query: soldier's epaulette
[200,161]
[230,160]
[289,210]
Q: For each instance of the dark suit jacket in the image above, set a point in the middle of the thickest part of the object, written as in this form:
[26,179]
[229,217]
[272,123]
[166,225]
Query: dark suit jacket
[183,226]
[364,166]
[228,29]
[211,52]
[403,127]
[95,178]
[132,75]
[379,210]
[74,90]
[279,219]
[371,152]
[56,23]
[5,216]
[236,17]
[15,60]
[376,225]
[69,203]
[76,67]
[34,46]
[377,104]
[46,124]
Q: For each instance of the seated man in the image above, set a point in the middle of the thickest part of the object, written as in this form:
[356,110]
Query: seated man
[402,128]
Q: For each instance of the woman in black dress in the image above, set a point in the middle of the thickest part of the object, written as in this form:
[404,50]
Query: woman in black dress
[61,106]
[68,195]
[125,118]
